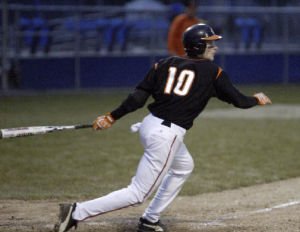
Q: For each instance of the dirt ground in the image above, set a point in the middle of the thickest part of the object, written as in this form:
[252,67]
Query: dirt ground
[270,207]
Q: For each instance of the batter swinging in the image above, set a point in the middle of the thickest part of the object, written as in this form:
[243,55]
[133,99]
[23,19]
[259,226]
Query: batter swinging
[181,88]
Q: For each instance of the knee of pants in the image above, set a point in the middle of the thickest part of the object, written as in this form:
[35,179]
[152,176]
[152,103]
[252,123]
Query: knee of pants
[185,168]
[137,195]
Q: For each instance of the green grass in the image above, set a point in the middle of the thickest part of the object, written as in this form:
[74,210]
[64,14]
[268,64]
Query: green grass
[228,153]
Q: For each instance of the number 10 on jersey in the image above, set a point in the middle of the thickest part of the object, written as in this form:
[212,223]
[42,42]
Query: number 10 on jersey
[182,84]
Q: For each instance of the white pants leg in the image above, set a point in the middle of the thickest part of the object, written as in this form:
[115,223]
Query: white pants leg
[161,144]
[179,171]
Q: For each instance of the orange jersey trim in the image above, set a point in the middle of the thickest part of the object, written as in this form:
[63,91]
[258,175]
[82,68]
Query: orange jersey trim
[219,72]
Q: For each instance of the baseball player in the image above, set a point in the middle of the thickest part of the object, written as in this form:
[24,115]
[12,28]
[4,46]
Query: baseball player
[181,87]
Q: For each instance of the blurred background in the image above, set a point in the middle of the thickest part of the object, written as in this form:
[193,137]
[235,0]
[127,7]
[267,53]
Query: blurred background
[84,44]
[64,62]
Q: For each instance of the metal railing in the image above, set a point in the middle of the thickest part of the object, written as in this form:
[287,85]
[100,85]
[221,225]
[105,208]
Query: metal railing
[69,30]
[76,31]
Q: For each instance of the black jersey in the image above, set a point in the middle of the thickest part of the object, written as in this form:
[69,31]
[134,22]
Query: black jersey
[181,88]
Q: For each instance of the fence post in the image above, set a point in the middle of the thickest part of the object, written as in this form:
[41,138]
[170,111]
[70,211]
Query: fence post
[4,46]
[77,50]
[286,53]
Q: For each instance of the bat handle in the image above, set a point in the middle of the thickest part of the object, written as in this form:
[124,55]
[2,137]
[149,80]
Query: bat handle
[84,126]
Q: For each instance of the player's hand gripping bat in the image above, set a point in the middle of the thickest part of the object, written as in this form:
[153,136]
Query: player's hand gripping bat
[36,130]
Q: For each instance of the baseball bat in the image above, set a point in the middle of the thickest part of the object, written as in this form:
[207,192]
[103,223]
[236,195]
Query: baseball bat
[37,130]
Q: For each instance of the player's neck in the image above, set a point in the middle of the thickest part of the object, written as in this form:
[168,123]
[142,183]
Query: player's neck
[195,56]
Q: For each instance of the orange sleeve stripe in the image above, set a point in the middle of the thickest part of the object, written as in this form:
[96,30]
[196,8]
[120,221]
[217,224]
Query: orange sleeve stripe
[219,72]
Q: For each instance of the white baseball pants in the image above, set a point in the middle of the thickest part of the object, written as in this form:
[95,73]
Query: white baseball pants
[166,164]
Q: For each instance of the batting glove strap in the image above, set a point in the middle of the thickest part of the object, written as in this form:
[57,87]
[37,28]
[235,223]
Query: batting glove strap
[262,99]
[103,122]
[110,118]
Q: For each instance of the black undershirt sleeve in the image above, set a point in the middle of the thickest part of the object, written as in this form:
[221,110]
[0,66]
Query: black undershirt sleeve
[225,91]
[134,101]
[138,98]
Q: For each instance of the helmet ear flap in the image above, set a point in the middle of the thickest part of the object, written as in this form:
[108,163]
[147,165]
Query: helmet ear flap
[195,49]
[202,47]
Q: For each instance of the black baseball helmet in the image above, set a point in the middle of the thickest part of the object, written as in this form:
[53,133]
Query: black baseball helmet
[195,37]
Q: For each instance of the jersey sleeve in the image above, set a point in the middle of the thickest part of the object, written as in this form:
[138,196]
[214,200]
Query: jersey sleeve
[148,82]
[225,91]
[138,98]
[134,101]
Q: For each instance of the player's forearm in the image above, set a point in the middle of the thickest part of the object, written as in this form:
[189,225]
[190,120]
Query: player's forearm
[239,100]
[134,101]
[227,92]
[244,102]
